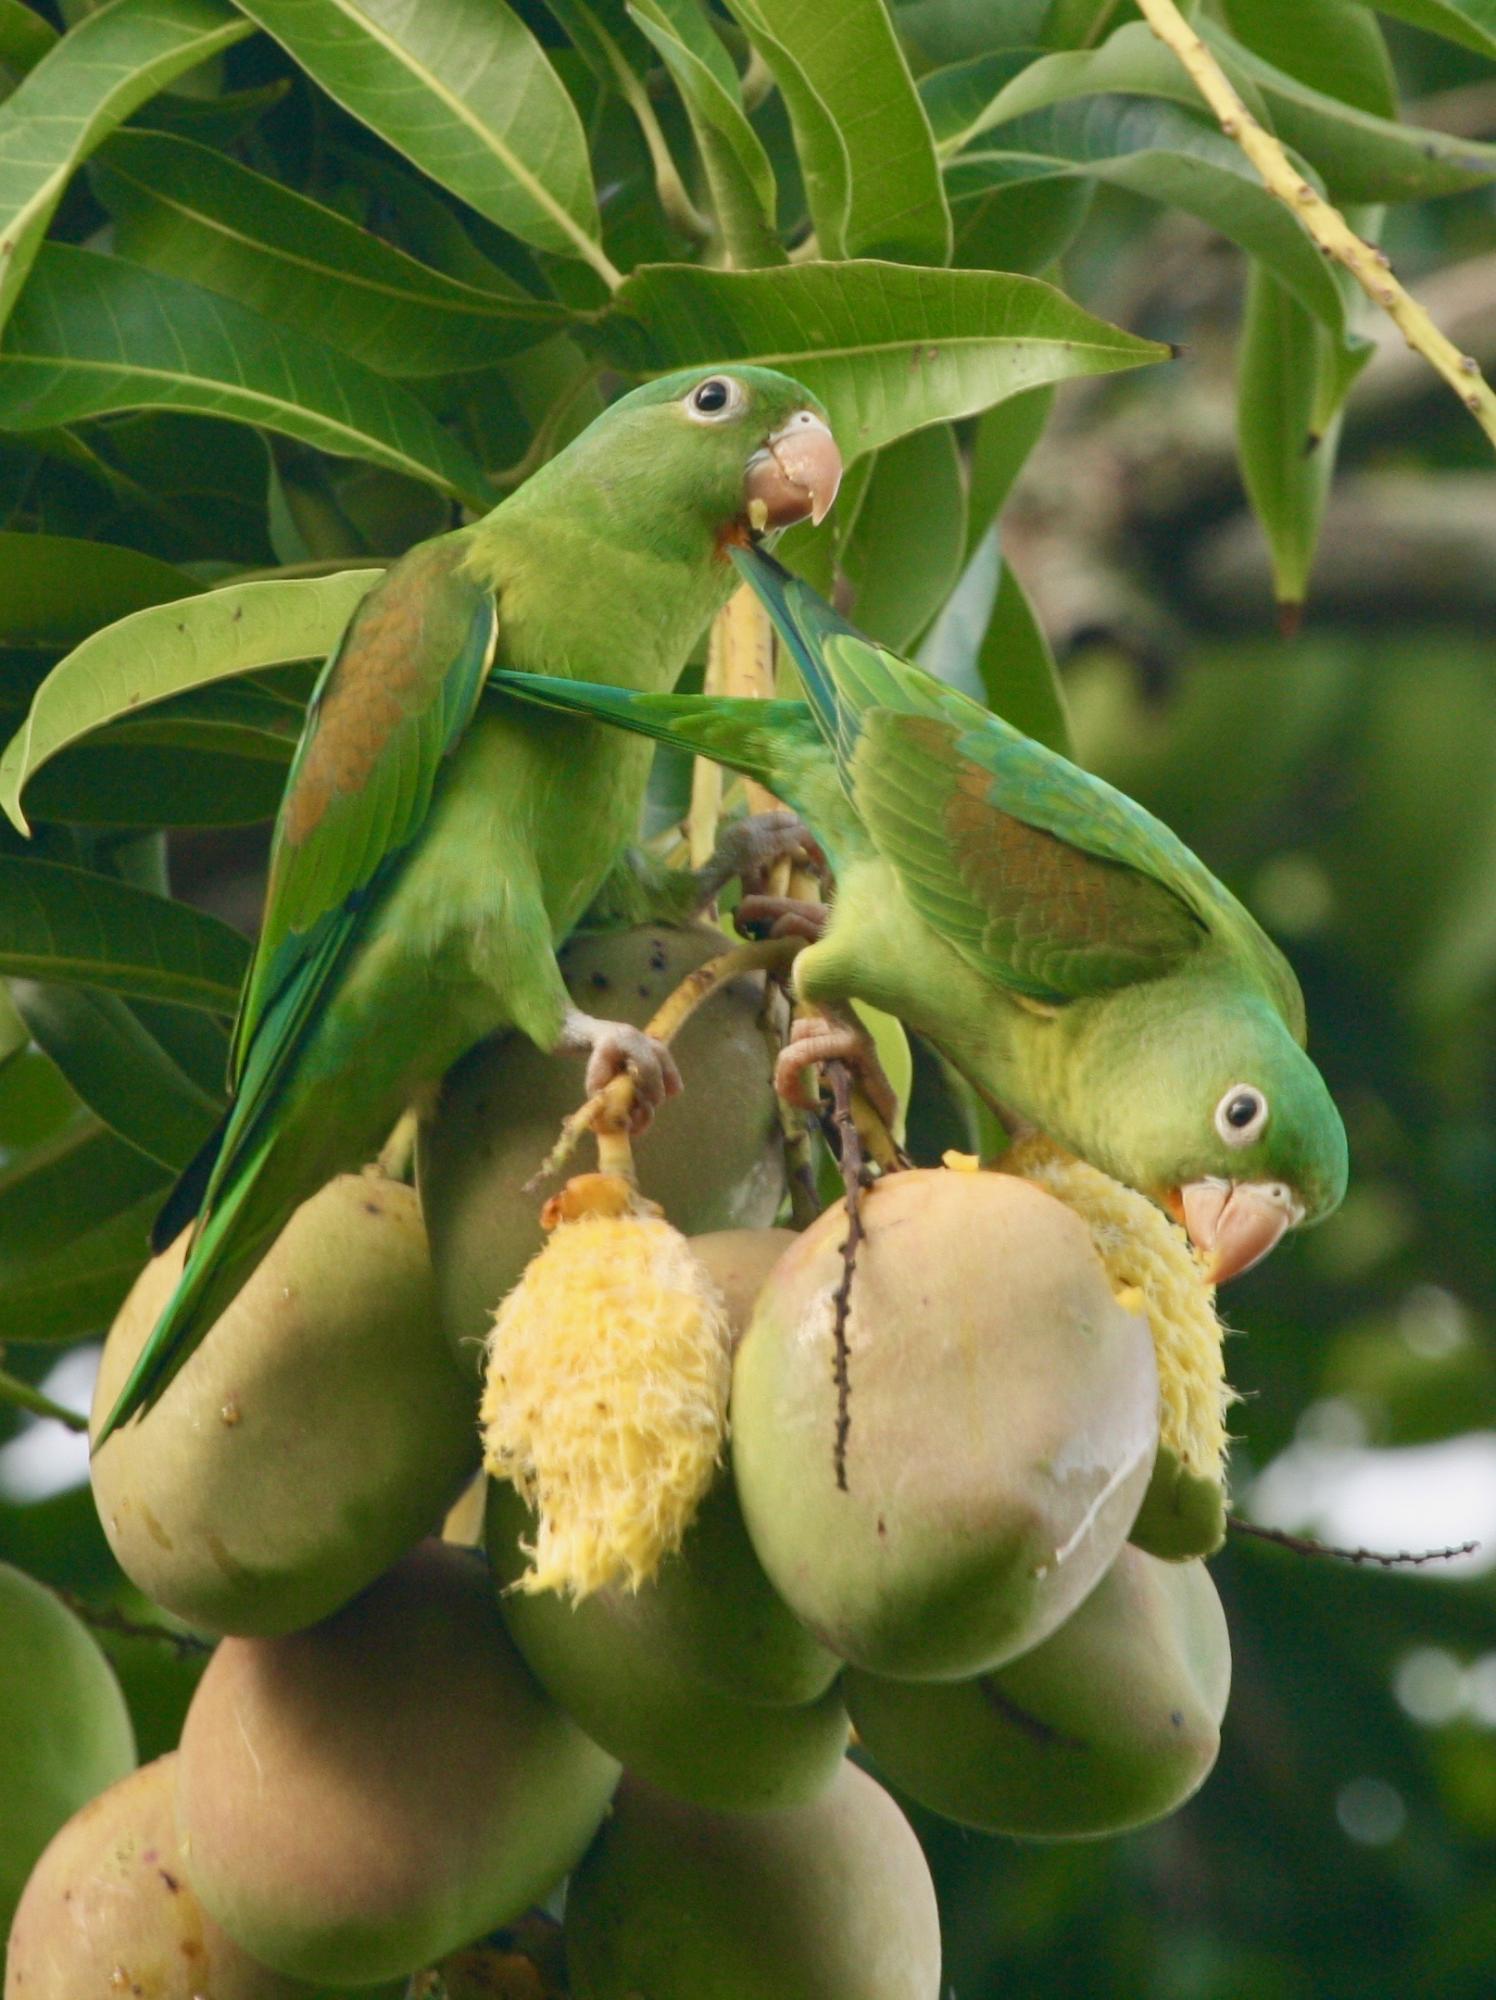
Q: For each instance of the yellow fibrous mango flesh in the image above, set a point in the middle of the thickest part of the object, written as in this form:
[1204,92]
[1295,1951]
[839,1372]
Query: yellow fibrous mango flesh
[605,1401]
[1143,1252]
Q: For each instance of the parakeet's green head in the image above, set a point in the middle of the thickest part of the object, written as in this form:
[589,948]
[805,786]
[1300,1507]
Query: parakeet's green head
[701,458]
[1215,1110]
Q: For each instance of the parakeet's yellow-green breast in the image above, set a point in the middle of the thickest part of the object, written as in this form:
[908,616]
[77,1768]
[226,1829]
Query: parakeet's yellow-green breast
[1073,959]
[433,845]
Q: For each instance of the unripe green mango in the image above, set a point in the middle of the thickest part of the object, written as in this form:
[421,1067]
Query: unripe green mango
[317,1432]
[109,1911]
[999,1419]
[827,1901]
[629,1670]
[1113,1721]
[709,1615]
[64,1728]
[713,1158]
[358,1799]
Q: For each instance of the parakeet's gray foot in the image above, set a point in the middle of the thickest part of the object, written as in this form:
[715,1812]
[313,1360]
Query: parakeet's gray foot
[749,848]
[834,1038]
[613,1048]
[784,916]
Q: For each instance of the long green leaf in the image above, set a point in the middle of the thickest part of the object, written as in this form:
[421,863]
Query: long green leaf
[904,553]
[72,1182]
[94,334]
[849,57]
[166,650]
[94,78]
[1170,156]
[888,348]
[57,1291]
[54,588]
[1471,23]
[821,149]
[738,171]
[1335,45]
[24,36]
[67,924]
[1018,671]
[119,1070]
[464,90]
[1363,157]
[196,213]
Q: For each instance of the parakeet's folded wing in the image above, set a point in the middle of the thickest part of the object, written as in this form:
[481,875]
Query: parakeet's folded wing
[393,698]
[1043,876]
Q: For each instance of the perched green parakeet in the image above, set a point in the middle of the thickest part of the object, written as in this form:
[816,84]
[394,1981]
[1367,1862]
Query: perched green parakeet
[433,845]
[1063,949]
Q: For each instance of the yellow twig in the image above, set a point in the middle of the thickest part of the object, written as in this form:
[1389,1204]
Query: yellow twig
[1323,223]
[607,1112]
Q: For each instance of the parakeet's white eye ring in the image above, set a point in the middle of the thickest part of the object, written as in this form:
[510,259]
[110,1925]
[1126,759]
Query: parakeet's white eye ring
[715,399]
[1241,1115]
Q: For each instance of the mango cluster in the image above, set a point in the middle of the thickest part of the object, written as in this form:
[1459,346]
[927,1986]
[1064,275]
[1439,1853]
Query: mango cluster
[916,1549]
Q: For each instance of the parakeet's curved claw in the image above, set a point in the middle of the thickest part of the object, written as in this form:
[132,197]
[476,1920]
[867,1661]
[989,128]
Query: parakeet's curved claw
[1234,1224]
[784,916]
[834,1038]
[750,847]
[614,1048]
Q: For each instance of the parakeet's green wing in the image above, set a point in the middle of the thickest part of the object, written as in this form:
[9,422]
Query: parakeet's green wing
[392,700]
[1044,876]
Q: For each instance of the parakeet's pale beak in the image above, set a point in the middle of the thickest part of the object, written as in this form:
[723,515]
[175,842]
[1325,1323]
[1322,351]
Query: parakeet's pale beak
[1234,1224]
[793,475]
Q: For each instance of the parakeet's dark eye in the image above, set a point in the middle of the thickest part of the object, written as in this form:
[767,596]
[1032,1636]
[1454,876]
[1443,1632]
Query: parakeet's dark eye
[1241,1115]
[718,397]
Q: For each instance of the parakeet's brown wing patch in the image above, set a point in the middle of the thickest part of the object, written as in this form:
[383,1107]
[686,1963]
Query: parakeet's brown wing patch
[393,699]
[1032,910]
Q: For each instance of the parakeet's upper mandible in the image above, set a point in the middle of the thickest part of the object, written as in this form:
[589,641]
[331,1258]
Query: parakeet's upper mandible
[432,848]
[1062,947]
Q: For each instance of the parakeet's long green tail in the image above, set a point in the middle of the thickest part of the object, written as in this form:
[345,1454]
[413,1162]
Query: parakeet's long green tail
[753,737]
[216,1267]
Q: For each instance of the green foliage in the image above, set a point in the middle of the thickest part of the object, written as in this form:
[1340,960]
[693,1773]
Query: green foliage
[289,284]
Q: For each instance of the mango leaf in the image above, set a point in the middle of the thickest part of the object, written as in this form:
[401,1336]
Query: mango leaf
[1335,45]
[464,91]
[14,1033]
[738,171]
[820,148]
[196,213]
[956,96]
[55,588]
[888,348]
[94,78]
[166,650]
[1471,23]
[1286,461]
[843,65]
[1021,222]
[72,1182]
[1171,157]
[1017,669]
[60,1292]
[64,923]
[904,553]
[118,1069]
[1363,158]
[24,36]
[999,450]
[94,334]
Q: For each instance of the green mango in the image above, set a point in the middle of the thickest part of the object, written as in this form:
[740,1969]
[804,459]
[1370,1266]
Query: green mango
[65,1731]
[358,1799]
[713,1158]
[953,1499]
[1183,1515]
[311,1438]
[1113,1721]
[628,1668]
[827,1901]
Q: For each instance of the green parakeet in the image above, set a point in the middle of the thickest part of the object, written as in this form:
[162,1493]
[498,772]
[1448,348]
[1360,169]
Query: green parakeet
[433,845]
[1065,951]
